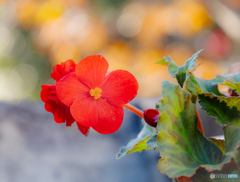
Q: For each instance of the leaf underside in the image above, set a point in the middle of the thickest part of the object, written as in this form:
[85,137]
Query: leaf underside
[143,142]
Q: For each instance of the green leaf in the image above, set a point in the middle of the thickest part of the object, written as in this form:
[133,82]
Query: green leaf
[182,72]
[199,86]
[232,139]
[172,66]
[219,143]
[231,80]
[182,146]
[232,102]
[157,105]
[203,175]
[225,109]
[152,142]
[237,160]
[220,79]
[221,110]
[235,86]
[140,143]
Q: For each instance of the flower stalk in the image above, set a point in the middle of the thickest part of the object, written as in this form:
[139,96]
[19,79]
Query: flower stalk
[134,110]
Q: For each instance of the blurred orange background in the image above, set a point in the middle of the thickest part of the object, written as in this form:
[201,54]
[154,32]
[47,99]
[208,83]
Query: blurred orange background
[131,35]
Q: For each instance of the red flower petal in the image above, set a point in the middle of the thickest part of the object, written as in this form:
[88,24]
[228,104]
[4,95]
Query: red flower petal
[60,111]
[47,90]
[59,115]
[50,106]
[62,70]
[70,88]
[68,66]
[119,87]
[84,130]
[84,110]
[92,70]
[69,119]
[57,72]
[110,117]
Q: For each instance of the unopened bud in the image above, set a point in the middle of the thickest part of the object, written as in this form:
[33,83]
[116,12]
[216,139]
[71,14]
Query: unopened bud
[232,92]
[151,117]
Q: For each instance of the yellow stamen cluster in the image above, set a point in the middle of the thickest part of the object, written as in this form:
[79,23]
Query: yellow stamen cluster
[96,93]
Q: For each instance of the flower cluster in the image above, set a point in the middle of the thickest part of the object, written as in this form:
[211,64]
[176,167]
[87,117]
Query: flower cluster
[88,94]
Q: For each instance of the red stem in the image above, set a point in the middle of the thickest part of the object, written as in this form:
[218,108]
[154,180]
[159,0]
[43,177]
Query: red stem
[134,109]
[199,124]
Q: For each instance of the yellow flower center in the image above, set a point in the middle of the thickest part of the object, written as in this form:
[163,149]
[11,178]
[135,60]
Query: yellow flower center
[96,93]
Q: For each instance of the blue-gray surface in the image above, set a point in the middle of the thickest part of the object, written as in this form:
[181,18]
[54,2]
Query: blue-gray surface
[33,148]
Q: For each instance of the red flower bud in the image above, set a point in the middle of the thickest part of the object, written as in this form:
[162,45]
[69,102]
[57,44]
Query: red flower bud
[232,92]
[151,117]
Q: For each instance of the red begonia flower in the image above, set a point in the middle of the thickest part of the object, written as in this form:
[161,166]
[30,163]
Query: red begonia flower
[63,69]
[94,96]
[52,104]
[60,111]
[151,117]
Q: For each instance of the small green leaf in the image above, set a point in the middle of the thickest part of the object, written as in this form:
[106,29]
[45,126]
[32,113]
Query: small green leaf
[172,66]
[140,143]
[220,79]
[199,86]
[182,72]
[182,146]
[232,81]
[157,106]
